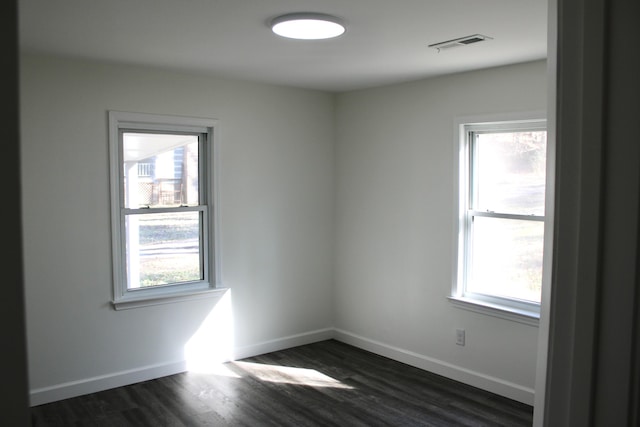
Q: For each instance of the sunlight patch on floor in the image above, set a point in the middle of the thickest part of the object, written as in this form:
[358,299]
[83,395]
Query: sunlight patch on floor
[290,375]
[217,369]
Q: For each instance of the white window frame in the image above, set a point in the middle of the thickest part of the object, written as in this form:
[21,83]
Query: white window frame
[124,298]
[511,309]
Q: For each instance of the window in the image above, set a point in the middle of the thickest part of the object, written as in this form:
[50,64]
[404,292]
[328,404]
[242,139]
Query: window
[500,239]
[162,200]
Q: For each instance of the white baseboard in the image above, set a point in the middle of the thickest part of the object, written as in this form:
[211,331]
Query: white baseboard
[466,376]
[283,343]
[56,392]
[103,382]
[66,390]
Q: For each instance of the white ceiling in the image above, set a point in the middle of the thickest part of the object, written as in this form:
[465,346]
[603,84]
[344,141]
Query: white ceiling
[386,40]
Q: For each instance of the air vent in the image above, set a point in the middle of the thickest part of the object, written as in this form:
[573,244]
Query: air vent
[462,41]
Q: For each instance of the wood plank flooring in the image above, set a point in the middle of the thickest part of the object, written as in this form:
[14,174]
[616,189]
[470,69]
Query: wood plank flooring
[328,383]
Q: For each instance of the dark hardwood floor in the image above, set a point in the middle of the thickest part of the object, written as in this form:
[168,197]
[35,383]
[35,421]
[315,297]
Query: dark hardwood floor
[322,384]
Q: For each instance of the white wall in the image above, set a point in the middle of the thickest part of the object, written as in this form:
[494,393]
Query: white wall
[394,226]
[355,189]
[276,148]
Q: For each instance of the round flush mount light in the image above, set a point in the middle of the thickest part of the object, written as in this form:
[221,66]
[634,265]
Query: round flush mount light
[307,26]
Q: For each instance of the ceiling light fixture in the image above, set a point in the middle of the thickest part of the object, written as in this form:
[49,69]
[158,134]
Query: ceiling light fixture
[307,26]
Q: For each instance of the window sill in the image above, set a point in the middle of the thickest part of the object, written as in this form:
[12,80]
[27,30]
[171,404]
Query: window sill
[126,303]
[526,317]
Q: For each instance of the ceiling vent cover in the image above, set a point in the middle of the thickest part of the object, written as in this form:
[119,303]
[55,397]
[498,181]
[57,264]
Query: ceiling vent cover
[462,41]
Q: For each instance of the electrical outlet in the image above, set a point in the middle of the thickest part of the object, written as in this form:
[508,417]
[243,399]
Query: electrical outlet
[460,336]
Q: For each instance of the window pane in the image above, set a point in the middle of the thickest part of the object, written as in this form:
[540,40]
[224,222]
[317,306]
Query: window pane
[510,172]
[163,248]
[507,258]
[160,170]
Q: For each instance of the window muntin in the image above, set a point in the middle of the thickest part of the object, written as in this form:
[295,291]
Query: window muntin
[162,223]
[503,173]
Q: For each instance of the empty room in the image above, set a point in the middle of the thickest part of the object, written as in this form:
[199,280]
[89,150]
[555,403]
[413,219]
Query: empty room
[227,224]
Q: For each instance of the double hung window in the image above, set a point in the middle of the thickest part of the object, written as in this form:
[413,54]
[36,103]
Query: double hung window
[502,169]
[162,208]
